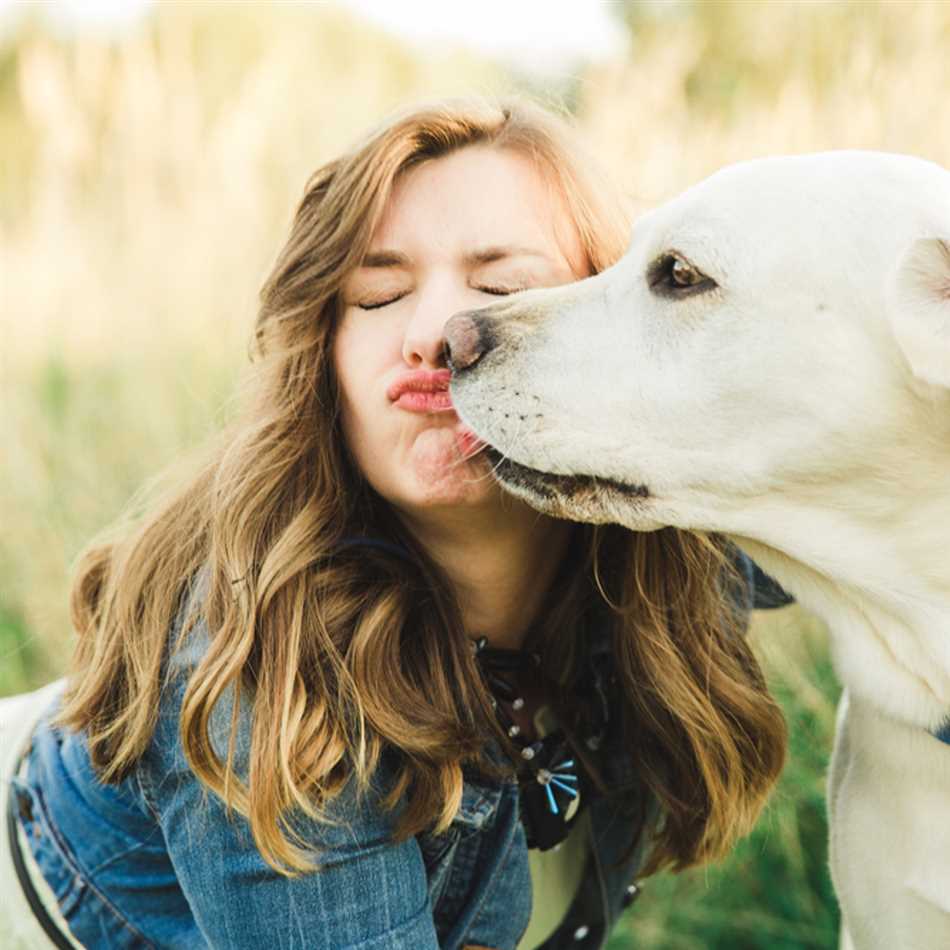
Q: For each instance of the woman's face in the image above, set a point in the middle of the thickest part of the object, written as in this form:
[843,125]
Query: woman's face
[458,231]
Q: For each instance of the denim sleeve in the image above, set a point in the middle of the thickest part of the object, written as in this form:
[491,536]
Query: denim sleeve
[369,893]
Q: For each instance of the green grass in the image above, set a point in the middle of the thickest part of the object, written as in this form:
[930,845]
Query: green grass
[19,655]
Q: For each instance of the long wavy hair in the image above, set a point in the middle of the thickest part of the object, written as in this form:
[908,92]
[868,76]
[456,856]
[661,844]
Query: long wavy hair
[342,653]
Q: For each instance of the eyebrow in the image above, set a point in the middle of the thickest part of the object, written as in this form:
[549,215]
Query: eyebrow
[385,259]
[487,255]
[482,255]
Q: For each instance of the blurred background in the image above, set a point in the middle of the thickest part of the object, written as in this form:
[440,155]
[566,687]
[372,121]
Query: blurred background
[151,155]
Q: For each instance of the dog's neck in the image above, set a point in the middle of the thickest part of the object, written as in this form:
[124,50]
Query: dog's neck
[882,584]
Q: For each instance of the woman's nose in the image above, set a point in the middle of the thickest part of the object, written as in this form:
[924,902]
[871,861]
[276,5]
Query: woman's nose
[422,343]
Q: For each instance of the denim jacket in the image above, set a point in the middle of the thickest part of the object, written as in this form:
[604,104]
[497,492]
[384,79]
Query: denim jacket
[156,861]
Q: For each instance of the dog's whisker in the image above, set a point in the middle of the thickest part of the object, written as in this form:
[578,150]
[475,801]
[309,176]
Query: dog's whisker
[466,457]
[504,453]
[485,476]
[488,475]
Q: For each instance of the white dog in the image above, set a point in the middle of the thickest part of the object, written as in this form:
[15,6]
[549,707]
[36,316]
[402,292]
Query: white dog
[771,360]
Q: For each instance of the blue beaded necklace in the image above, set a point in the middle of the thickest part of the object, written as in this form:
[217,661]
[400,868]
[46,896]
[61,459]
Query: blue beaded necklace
[548,777]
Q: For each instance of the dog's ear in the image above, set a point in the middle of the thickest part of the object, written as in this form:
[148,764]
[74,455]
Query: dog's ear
[920,309]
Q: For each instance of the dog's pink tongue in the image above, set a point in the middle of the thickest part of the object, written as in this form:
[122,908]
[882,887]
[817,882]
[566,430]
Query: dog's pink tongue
[468,443]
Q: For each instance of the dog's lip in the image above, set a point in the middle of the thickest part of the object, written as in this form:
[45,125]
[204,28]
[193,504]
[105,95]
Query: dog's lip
[565,485]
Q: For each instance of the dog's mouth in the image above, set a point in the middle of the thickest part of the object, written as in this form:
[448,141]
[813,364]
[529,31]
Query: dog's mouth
[579,497]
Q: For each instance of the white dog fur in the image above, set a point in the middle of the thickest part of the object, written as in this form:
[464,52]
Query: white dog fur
[796,399]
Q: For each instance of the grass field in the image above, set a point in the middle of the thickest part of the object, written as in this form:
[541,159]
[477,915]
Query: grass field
[147,183]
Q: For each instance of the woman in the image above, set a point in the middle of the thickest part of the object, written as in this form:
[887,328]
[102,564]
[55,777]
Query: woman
[339,691]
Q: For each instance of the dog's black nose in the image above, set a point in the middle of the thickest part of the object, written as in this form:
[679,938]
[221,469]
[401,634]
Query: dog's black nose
[467,337]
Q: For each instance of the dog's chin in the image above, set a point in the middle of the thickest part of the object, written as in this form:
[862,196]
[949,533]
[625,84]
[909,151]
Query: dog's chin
[588,498]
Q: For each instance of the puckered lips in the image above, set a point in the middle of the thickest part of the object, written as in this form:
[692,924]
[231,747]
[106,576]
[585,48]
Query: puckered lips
[422,390]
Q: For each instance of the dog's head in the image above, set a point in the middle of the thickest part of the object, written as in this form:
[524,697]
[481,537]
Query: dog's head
[782,328]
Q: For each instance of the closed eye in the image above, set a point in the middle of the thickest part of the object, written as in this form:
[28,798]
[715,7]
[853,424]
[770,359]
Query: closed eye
[377,304]
[499,291]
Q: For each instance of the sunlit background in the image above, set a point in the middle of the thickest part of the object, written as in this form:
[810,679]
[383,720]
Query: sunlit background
[150,159]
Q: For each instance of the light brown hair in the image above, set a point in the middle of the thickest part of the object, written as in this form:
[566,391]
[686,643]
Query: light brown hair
[340,652]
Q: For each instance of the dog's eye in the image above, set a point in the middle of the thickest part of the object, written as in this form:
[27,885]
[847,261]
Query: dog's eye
[683,274]
[672,275]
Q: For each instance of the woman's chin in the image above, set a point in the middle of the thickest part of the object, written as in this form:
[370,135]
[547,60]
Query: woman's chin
[442,467]
[453,482]
[446,457]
